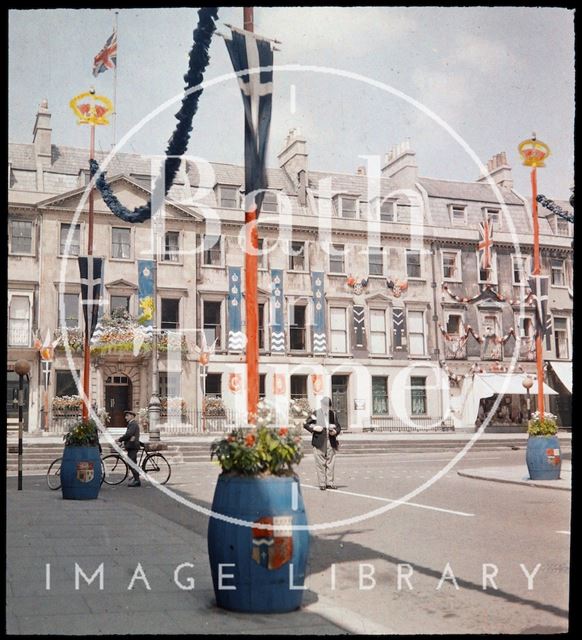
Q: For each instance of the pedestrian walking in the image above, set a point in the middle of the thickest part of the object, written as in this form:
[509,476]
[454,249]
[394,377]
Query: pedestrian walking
[131,441]
[324,427]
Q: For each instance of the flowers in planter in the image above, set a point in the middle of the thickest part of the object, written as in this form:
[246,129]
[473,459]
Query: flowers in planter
[67,403]
[82,434]
[214,407]
[546,427]
[72,336]
[263,450]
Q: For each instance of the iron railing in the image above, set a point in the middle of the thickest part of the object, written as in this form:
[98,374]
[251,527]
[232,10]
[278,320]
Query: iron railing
[416,424]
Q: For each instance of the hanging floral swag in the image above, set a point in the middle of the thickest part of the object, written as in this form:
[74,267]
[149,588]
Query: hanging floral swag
[489,292]
[178,143]
[480,338]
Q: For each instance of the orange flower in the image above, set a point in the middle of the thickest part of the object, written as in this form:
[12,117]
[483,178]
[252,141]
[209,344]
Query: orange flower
[231,438]
[250,440]
[283,431]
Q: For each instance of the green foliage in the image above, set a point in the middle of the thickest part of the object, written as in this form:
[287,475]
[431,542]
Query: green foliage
[546,427]
[264,450]
[83,434]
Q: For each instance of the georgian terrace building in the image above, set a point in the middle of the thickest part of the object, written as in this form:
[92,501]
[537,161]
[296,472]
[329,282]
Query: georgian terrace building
[365,284]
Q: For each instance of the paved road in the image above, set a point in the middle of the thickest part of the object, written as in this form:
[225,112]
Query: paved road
[456,527]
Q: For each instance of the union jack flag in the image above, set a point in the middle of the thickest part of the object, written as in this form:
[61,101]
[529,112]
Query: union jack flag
[107,57]
[249,52]
[539,286]
[485,243]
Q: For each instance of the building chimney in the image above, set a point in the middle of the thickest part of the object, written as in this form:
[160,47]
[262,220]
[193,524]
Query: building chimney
[41,136]
[293,159]
[499,170]
[400,163]
[361,171]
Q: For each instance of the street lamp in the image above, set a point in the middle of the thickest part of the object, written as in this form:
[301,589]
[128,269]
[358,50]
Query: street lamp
[527,383]
[22,368]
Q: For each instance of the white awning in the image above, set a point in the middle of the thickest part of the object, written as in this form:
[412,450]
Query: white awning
[509,383]
[564,371]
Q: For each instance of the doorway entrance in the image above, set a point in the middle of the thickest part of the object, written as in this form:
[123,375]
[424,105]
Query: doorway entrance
[339,398]
[118,398]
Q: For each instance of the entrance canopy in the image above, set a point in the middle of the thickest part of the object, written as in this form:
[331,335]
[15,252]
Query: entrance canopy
[506,383]
[483,385]
[564,371]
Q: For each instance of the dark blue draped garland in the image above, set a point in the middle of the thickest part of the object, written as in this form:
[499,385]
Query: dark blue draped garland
[178,143]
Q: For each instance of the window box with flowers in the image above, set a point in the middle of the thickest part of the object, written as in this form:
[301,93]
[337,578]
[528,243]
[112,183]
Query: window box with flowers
[258,525]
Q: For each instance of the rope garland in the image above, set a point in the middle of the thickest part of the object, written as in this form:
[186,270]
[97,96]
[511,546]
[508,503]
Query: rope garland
[178,143]
[554,208]
[488,292]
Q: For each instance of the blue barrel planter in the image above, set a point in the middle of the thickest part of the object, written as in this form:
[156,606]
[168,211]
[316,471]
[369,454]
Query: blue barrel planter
[81,473]
[543,458]
[267,565]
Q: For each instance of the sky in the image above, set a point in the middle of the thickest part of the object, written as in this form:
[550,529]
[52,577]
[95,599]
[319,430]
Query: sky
[492,75]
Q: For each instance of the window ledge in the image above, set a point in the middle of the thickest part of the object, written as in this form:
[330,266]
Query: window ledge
[121,260]
[212,266]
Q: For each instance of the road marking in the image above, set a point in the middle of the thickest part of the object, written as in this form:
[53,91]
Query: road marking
[405,503]
[564,532]
[294,496]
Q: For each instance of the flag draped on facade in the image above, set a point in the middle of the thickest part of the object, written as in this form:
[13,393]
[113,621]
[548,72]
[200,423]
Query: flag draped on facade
[251,52]
[319,336]
[485,243]
[277,303]
[359,339]
[236,338]
[91,271]
[145,291]
[539,286]
[399,329]
[107,57]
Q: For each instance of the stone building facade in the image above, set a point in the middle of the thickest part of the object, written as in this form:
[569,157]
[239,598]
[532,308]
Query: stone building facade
[351,295]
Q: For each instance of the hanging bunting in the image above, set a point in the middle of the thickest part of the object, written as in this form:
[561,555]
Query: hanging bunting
[145,291]
[178,143]
[319,336]
[236,338]
[488,292]
[317,383]
[480,338]
[277,303]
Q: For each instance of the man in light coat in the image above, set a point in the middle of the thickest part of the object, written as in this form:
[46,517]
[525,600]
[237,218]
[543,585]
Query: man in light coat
[324,427]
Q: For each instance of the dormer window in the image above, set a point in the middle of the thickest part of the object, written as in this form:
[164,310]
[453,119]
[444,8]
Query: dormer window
[562,227]
[458,214]
[270,202]
[346,206]
[494,215]
[383,209]
[227,196]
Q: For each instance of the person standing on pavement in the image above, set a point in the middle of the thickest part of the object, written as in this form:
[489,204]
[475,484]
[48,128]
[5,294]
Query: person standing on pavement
[131,441]
[324,427]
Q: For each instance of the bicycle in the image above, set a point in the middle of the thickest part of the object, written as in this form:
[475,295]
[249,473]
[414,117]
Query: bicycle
[150,460]
[53,475]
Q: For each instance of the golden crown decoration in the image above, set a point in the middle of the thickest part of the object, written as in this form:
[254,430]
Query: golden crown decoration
[533,152]
[90,108]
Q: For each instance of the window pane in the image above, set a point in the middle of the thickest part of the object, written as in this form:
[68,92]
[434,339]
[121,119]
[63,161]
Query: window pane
[19,327]
[338,342]
[214,385]
[416,321]
[228,197]
[171,246]
[170,313]
[416,342]
[65,384]
[338,319]
[212,250]
[375,261]
[119,302]
[69,310]
[74,246]
[413,264]
[21,236]
[377,320]
[379,395]
[212,322]
[270,203]
[378,343]
[120,243]
[298,386]
[348,207]
[454,324]
[387,211]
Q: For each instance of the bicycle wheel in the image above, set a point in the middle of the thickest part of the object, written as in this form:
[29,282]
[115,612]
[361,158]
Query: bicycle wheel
[53,475]
[115,469]
[102,472]
[157,467]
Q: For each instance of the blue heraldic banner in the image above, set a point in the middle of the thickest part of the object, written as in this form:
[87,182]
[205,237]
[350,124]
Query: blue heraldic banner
[236,338]
[319,335]
[277,300]
[145,292]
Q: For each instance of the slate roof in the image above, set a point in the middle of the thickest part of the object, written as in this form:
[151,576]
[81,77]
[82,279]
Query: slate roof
[456,190]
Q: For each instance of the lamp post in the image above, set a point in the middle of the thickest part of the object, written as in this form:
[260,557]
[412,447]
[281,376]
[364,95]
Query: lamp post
[527,383]
[155,406]
[22,368]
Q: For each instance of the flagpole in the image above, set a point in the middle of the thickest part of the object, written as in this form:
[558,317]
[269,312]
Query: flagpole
[536,272]
[115,83]
[251,305]
[86,350]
